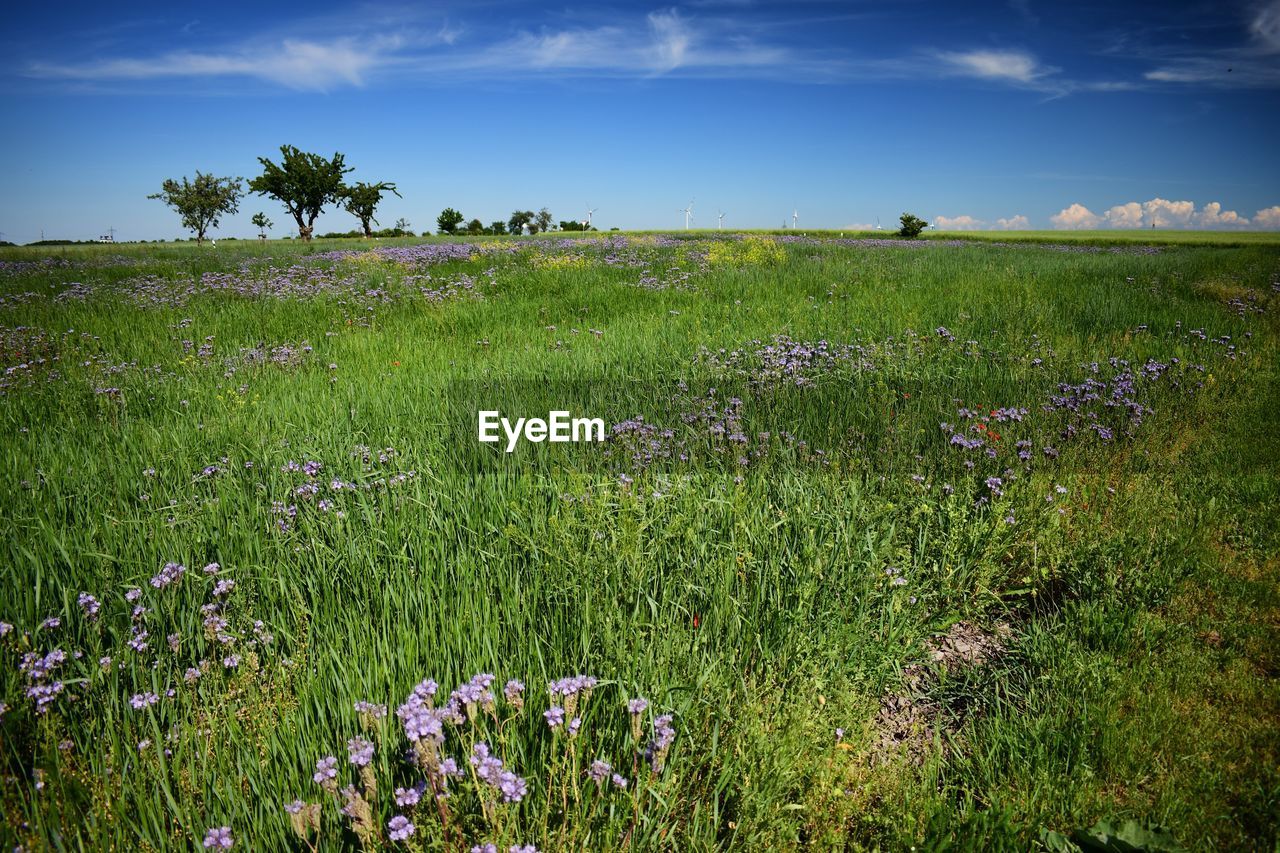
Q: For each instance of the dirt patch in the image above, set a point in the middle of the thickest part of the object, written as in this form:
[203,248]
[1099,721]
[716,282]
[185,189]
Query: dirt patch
[908,721]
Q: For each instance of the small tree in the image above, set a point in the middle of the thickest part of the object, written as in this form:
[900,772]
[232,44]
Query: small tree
[203,202]
[497,228]
[543,219]
[448,221]
[402,227]
[911,226]
[361,200]
[475,226]
[262,223]
[519,219]
[303,182]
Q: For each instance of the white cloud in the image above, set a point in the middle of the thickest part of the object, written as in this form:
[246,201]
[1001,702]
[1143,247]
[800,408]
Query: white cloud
[1265,27]
[1168,214]
[1014,223]
[1213,216]
[1268,219]
[1009,66]
[1124,216]
[295,63]
[1163,213]
[1077,216]
[958,223]
[658,43]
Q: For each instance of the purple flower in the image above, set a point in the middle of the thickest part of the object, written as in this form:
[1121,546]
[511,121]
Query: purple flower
[218,837]
[89,605]
[213,569]
[637,706]
[599,771]
[223,587]
[407,797]
[488,767]
[526,848]
[5,629]
[574,725]
[143,700]
[231,661]
[359,751]
[513,788]
[168,575]
[133,595]
[554,716]
[514,693]
[485,848]
[191,676]
[399,828]
[295,807]
[50,623]
[326,770]
[619,781]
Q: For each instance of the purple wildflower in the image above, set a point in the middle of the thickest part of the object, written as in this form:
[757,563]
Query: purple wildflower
[359,751]
[326,770]
[143,700]
[168,575]
[89,605]
[218,837]
[399,828]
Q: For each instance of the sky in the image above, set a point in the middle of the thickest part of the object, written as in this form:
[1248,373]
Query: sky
[1019,114]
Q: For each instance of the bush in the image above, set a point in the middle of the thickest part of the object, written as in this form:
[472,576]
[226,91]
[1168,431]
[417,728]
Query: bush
[912,225]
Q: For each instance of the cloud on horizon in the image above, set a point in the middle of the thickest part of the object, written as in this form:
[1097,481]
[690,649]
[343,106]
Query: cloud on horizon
[1163,213]
[965,222]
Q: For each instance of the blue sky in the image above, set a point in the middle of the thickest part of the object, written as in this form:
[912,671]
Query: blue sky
[1014,114]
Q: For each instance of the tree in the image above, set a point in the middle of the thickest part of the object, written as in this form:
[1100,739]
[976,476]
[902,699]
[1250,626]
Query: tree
[361,200]
[402,225]
[261,222]
[543,219]
[911,226]
[497,228]
[448,221]
[203,202]
[475,226]
[303,182]
[519,219]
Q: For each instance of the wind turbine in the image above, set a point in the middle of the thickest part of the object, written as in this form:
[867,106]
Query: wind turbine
[795,215]
[590,211]
[721,217]
[688,215]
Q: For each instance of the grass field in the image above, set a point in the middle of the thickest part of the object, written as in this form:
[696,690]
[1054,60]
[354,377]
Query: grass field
[935,545]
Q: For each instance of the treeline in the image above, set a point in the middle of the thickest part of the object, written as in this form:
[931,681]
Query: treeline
[305,184]
[450,221]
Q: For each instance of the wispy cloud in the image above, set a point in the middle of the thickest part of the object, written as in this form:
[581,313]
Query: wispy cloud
[294,63]
[663,42]
[1005,66]
[1253,63]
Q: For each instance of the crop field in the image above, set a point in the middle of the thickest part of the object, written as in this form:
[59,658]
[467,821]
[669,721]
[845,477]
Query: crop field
[936,544]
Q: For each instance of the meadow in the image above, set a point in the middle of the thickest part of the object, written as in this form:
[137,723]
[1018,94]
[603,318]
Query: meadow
[945,544]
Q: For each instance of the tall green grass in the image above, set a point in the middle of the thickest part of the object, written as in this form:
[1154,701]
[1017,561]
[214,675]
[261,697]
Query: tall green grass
[751,602]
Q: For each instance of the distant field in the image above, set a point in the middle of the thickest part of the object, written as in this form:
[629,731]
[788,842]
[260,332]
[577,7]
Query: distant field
[900,543]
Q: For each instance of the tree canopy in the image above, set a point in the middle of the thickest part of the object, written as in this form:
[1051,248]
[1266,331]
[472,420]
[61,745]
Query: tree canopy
[303,182]
[203,202]
[519,219]
[361,200]
[911,226]
[449,220]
